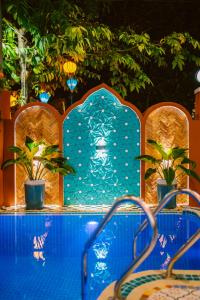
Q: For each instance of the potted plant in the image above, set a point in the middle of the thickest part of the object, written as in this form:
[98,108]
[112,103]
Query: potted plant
[166,165]
[37,158]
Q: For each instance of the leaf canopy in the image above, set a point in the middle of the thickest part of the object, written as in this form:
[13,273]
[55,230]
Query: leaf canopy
[55,31]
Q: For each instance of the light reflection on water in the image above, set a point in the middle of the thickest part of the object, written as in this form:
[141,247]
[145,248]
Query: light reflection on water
[91,226]
[101,272]
[101,249]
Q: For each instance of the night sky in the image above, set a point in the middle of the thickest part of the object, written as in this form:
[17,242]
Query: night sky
[158,18]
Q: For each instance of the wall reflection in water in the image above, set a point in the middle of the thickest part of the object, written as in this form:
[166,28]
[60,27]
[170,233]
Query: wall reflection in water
[101,271]
[167,244]
[101,249]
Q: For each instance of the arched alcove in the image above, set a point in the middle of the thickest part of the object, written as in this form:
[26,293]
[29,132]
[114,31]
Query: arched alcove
[101,137]
[168,125]
[40,123]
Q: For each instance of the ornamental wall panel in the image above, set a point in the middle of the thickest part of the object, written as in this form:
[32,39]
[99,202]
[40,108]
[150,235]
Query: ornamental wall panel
[101,137]
[168,125]
[39,123]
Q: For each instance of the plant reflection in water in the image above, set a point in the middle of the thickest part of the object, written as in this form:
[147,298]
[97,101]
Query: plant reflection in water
[39,243]
[164,241]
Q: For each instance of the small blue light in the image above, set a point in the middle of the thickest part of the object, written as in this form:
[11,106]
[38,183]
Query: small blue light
[198,75]
[72,83]
[44,97]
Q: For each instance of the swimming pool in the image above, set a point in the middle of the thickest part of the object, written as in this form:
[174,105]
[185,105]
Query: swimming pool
[40,254]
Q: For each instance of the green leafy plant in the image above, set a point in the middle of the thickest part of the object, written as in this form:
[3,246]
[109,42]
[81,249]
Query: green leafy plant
[169,162]
[36,43]
[37,159]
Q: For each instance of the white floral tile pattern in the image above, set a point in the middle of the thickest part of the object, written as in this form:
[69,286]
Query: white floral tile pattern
[197,293]
[101,137]
[175,293]
[159,296]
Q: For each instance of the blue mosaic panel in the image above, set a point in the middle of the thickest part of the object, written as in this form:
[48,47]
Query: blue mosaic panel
[101,137]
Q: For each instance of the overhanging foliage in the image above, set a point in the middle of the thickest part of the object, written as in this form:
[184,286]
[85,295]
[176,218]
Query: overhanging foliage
[53,31]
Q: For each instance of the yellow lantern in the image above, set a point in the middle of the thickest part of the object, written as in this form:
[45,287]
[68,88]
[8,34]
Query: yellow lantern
[69,67]
[13,99]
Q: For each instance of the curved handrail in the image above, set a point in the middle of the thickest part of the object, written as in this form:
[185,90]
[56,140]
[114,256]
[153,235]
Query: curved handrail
[99,229]
[192,240]
[161,205]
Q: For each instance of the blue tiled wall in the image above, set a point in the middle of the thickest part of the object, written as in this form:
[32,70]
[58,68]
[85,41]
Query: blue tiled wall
[101,137]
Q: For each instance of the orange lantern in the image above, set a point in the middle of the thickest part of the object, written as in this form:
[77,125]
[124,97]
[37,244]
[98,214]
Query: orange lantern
[13,99]
[69,67]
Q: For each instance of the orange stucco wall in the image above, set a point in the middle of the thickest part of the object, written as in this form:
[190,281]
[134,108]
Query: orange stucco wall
[1,160]
[4,119]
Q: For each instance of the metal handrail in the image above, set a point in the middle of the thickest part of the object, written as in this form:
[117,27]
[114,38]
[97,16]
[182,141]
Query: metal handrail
[134,264]
[161,205]
[192,240]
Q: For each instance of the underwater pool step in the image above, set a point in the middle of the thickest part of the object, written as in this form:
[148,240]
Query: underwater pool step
[152,285]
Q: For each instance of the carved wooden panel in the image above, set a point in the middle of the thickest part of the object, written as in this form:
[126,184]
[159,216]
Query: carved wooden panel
[40,124]
[168,125]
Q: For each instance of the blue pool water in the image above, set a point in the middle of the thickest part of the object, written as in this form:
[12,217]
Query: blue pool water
[40,255]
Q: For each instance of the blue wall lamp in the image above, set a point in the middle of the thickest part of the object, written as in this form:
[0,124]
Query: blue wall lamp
[72,83]
[197,75]
[44,97]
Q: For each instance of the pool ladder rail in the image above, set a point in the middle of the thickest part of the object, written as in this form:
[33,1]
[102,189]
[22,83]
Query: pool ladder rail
[138,260]
[190,242]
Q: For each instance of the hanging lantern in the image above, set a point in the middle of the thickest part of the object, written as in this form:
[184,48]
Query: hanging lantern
[44,97]
[13,99]
[69,67]
[198,75]
[72,83]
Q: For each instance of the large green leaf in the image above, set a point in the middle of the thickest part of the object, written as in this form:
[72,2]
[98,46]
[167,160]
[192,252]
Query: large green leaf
[169,175]
[149,172]
[59,160]
[178,152]
[189,172]
[15,149]
[49,166]
[147,158]
[64,171]
[186,160]
[29,143]
[10,162]
[69,169]
[50,150]
[159,148]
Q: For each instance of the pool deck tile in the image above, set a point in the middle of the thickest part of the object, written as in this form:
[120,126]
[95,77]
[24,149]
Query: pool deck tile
[151,285]
[89,209]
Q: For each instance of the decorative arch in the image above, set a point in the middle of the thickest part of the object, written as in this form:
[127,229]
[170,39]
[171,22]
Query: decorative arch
[167,123]
[40,122]
[101,137]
